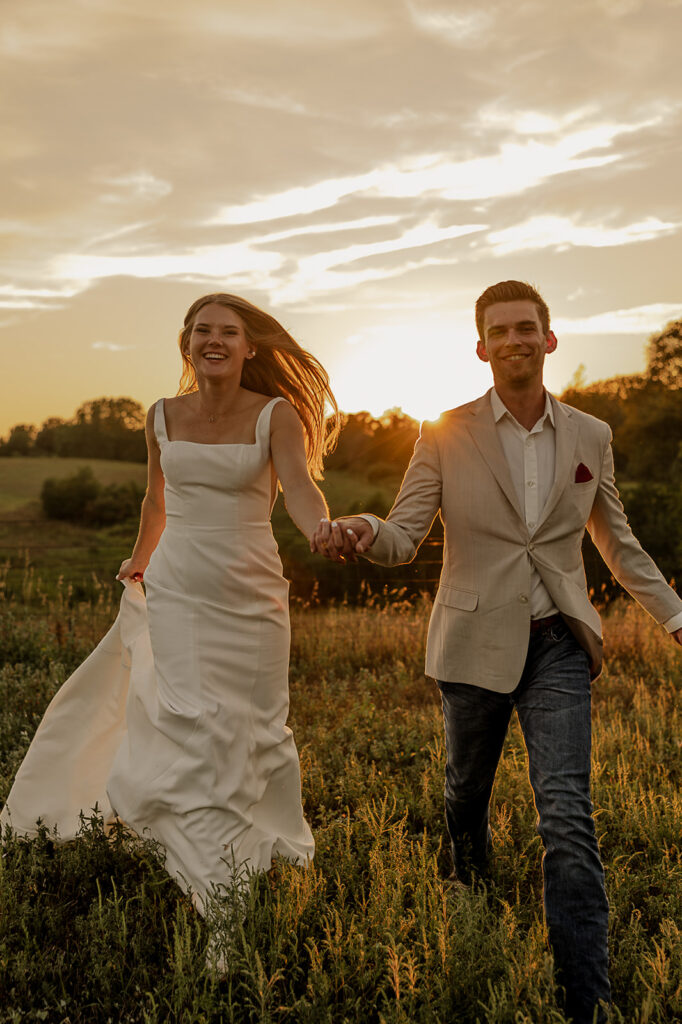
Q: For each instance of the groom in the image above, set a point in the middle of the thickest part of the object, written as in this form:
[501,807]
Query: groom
[517,476]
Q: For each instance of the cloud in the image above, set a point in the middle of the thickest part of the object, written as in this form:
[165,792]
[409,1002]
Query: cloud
[461,27]
[120,232]
[294,202]
[15,227]
[266,101]
[420,235]
[300,288]
[253,264]
[560,233]
[15,297]
[530,121]
[619,8]
[23,43]
[285,22]
[635,320]
[138,185]
[24,304]
[240,262]
[110,346]
[319,272]
[361,224]
[38,30]
[515,167]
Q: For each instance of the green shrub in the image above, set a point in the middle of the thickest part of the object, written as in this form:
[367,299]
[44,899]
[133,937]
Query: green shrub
[69,497]
[82,498]
[114,503]
[655,514]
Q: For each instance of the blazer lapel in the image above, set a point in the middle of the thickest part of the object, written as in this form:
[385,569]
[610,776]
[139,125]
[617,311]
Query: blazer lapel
[484,434]
[566,436]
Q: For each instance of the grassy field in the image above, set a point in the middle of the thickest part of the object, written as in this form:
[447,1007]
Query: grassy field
[22,477]
[87,558]
[82,557]
[95,931]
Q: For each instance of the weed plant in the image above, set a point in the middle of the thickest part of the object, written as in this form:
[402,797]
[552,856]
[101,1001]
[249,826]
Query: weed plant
[95,931]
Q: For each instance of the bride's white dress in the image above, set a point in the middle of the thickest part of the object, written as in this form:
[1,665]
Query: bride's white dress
[176,723]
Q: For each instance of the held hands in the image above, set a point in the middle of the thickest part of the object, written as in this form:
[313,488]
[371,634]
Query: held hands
[342,539]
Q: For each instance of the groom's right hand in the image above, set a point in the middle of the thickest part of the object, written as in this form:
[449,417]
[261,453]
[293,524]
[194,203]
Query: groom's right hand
[341,539]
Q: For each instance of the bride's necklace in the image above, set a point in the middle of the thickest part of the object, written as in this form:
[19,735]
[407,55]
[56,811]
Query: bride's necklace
[213,417]
[219,414]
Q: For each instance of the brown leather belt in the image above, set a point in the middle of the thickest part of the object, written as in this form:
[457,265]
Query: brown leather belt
[549,620]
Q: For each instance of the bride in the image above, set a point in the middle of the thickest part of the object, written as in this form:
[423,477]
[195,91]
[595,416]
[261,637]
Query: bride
[176,723]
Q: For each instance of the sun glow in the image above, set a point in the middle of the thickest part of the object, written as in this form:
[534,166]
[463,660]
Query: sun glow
[423,368]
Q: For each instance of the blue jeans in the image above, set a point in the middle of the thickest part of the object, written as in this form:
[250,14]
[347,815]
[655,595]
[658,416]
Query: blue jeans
[553,702]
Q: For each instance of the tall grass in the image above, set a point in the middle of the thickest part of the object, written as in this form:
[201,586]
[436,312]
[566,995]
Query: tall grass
[95,931]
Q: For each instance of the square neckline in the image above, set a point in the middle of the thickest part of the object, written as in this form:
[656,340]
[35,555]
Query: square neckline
[214,444]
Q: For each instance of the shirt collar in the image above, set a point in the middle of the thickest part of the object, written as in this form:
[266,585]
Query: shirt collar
[500,410]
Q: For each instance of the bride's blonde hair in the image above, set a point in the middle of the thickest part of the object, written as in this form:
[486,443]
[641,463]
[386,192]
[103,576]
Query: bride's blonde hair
[280,367]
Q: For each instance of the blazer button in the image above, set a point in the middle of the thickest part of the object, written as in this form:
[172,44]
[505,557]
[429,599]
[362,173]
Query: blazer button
[523,598]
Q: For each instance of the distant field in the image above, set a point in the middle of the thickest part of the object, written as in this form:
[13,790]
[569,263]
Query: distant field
[61,551]
[85,557]
[21,477]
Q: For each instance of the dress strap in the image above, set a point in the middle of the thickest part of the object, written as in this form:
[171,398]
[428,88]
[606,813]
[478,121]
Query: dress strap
[160,421]
[263,424]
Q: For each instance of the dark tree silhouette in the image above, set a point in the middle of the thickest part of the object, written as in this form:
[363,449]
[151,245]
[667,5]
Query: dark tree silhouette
[664,356]
[376,447]
[113,414]
[20,440]
[104,428]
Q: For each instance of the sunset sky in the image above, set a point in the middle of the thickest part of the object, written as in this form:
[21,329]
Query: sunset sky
[362,169]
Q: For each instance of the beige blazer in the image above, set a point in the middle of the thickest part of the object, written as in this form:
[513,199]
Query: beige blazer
[479,626]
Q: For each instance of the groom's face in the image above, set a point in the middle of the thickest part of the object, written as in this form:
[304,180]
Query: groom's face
[514,342]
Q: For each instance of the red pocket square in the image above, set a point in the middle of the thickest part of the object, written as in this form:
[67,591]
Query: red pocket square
[582,474]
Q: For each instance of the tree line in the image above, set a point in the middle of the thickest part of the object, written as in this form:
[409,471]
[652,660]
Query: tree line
[104,428]
[643,410]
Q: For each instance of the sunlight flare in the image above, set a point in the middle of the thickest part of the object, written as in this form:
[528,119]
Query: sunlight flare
[425,367]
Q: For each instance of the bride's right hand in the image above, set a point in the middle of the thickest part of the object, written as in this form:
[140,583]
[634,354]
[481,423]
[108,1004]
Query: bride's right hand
[131,570]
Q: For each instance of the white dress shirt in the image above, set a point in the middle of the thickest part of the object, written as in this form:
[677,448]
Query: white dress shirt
[531,456]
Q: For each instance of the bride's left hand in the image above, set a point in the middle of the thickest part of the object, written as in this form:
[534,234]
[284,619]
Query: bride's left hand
[130,571]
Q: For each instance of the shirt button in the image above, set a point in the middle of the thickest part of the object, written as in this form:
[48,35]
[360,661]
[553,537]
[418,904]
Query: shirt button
[531,525]
[531,483]
[523,598]
[531,546]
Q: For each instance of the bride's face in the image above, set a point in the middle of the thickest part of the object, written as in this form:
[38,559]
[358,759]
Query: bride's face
[217,343]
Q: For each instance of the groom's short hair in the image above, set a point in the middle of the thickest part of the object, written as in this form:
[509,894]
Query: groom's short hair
[511,291]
